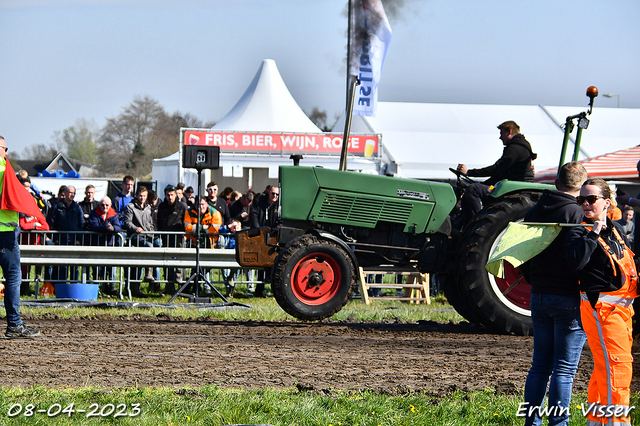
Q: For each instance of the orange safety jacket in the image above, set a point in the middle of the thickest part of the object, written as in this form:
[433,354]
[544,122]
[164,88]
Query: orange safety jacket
[608,328]
[629,289]
[212,217]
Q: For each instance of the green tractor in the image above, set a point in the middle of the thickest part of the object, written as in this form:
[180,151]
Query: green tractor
[333,222]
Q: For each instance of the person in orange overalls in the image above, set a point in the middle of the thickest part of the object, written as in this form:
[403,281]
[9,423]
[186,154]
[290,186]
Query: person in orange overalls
[210,223]
[608,284]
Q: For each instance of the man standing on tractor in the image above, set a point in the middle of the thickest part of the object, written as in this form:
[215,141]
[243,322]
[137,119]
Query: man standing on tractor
[515,164]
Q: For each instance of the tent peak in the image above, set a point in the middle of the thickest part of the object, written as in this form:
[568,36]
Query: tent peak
[267,105]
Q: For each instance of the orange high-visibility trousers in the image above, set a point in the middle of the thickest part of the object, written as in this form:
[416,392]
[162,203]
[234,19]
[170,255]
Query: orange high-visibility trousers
[608,329]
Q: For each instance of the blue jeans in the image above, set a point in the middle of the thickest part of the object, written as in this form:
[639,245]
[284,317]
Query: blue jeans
[141,241]
[471,202]
[10,264]
[558,339]
[61,273]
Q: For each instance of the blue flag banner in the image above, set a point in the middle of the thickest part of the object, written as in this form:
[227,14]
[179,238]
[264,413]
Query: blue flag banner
[370,38]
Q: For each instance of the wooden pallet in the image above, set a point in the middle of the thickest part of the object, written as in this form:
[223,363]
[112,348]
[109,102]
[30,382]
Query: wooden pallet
[416,290]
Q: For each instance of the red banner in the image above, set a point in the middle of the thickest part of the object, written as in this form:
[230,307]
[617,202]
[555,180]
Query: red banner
[283,143]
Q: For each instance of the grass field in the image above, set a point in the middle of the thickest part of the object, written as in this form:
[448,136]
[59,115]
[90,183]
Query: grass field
[213,406]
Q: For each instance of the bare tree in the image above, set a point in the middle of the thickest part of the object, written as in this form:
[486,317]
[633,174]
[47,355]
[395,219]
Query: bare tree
[189,120]
[130,141]
[80,141]
[38,152]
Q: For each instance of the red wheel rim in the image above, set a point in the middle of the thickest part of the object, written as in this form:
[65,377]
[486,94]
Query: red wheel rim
[518,294]
[315,279]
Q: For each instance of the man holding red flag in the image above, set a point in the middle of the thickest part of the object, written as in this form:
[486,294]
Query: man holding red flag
[14,200]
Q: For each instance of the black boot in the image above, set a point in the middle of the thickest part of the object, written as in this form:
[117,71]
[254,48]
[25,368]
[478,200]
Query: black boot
[154,287]
[110,290]
[24,288]
[170,288]
[259,290]
[135,290]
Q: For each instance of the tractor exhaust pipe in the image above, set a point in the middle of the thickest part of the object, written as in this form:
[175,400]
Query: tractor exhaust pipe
[347,123]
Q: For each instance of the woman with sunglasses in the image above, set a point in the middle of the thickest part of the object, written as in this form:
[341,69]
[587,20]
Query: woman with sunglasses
[608,278]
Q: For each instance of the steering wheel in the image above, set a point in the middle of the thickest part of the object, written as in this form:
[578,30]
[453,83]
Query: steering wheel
[462,176]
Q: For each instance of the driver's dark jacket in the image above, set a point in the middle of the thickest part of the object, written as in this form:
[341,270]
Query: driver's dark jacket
[548,272]
[515,163]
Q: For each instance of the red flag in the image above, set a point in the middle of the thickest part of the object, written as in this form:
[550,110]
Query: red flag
[16,198]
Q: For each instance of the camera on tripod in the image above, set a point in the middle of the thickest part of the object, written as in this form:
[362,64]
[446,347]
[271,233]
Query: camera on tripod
[200,157]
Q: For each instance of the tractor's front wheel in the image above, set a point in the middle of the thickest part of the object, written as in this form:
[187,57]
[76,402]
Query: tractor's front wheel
[313,278]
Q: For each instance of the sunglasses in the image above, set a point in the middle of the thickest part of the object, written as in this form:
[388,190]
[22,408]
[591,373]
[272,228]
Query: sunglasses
[5,148]
[591,199]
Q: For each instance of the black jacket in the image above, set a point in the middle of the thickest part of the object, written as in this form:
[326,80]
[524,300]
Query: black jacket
[515,163]
[548,272]
[171,216]
[87,207]
[222,207]
[235,211]
[66,218]
[588,258]
[261,213]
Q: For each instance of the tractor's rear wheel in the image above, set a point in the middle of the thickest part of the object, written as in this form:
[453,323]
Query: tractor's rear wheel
[457,297]
[313,278]
[502,304]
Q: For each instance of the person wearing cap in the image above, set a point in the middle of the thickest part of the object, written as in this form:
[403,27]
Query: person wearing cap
[189,199]
[180,192]
[239,209]
[171,218]
[515,164]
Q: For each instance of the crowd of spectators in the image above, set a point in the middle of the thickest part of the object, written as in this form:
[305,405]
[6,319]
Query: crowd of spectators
[137,216]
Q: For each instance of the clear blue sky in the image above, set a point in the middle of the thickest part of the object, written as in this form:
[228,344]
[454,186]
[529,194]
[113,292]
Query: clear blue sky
[67,59]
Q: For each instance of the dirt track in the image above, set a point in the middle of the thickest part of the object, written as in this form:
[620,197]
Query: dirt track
[112,352]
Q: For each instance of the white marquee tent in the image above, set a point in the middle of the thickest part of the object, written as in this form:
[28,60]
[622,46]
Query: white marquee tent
[265,106]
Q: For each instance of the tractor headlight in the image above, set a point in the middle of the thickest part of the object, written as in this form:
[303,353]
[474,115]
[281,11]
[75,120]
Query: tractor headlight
[583,123]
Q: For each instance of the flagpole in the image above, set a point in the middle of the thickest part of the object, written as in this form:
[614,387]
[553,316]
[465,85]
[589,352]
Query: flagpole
[351,95]
[349,29]
[350,91]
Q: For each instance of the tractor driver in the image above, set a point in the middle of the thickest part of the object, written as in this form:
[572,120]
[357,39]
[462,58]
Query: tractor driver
[515,164]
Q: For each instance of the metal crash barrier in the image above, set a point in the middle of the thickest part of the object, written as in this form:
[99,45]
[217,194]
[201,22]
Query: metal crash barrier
[91,250]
